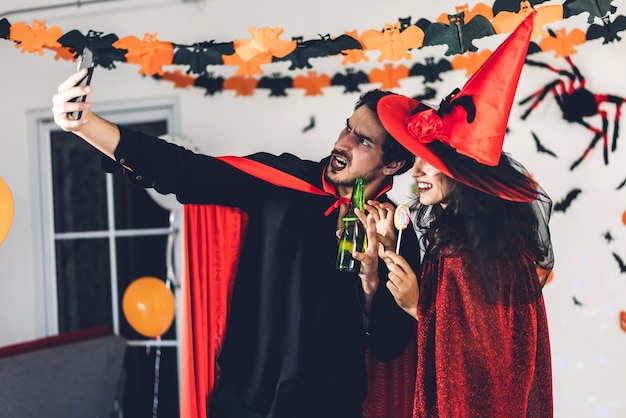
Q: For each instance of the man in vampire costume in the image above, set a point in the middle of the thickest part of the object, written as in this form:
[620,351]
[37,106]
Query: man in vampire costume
[297,330]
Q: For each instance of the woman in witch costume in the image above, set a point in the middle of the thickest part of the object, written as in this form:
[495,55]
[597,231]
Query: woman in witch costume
[482,334]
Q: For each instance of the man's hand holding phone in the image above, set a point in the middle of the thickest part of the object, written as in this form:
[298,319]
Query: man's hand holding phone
[87,60]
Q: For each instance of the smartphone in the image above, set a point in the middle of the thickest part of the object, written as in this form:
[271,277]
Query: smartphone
[87,60]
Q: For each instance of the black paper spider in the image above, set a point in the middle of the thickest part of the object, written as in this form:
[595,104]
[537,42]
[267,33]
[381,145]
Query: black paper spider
[577,103]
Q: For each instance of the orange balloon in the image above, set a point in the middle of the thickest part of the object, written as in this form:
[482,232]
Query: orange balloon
[6,210]
[149,306]
[624,217]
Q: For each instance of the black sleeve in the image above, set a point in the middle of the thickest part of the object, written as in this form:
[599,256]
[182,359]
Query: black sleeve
[193,178]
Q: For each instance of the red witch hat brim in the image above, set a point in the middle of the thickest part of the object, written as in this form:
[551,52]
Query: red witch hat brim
[471,121]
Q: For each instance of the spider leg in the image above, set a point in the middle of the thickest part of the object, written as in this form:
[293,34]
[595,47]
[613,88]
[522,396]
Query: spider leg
[618,102]
[537,97]
[598,134]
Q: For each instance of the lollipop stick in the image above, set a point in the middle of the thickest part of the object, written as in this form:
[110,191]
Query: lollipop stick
[398,243]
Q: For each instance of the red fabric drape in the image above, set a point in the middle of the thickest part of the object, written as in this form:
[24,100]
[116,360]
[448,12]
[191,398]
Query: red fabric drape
[391,385]
[212,237]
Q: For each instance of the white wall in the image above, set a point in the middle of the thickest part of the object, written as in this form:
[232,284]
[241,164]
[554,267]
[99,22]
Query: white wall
[587,342]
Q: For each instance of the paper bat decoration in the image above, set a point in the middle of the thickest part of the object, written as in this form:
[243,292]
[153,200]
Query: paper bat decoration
[5,28]
[180,80]
[350,80]
[389,76]
[264,43]
[458,35]
[576,301]
[596,8]
[608,237]
[101,46]
[480,9]
[429,70]
[243,86]
[210,84]
[199,56]
[622,184]
[564,204]
[607,30]
[312,83]
[247,68]
[393,43]
[429,94]
[512,5]
[148,52]
[541,148]
[315,48]
[505,22]
[276,83]
[620,263]
[470,61]
[562,43]
[35,38]
[354,56]
[310,126]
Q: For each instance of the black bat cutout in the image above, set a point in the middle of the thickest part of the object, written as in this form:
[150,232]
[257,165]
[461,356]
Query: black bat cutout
[541,148]
[430,70]
[429,93]
[576,301]
[310,126]
[620,263]
[101,46]
[201,55]
[608,237]
[323,47]
[564,204]
[458,35]
[622,184]
[350,80]
[596,8]
[5,28]
[210,84]
[607,30]
[276,83]
[513,6]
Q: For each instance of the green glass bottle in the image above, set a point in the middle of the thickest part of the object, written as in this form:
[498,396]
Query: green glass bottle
[352,231]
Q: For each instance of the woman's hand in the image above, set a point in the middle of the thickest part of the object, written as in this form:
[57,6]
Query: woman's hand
[383,216]
[402,283]
[62,106]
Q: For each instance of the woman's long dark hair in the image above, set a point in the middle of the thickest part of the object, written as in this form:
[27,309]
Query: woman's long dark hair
[487,226]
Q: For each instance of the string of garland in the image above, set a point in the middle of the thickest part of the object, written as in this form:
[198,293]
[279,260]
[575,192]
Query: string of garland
[394,43]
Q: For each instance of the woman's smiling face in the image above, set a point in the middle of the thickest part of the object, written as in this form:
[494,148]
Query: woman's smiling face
[434,186]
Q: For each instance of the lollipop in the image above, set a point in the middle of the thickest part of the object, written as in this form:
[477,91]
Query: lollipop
[401,219]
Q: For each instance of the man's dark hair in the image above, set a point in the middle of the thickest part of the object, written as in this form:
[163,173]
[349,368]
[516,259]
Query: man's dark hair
[392,150]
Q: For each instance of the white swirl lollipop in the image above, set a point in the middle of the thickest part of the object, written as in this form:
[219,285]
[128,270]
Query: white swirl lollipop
[401,219]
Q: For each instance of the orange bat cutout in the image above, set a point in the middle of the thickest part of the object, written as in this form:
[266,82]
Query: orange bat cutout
[264,42]
[622,320]
[562,43]
[470,61]
[393,44]
[243,86]
[389,76]
[247,68]
[149,53]
[505,22]
[354,56]
[63,53]
[180,79]
[312,83]
[35,38]
[480,9]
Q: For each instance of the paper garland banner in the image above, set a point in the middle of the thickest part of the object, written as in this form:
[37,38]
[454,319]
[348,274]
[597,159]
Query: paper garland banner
[394,42]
